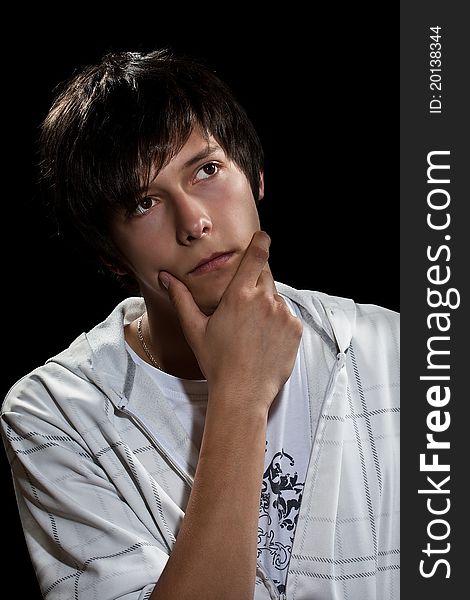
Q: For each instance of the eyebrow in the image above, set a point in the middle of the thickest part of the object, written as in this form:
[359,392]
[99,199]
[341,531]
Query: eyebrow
[208,150]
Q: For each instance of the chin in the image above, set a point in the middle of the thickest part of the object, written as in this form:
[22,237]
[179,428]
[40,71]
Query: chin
[207,310]
[209,295]
[207,302]
[207,305]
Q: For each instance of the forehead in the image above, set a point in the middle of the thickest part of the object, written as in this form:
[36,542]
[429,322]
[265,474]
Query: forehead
[196,142]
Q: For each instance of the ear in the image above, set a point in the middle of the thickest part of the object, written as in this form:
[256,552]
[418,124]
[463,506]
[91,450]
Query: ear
[261,186]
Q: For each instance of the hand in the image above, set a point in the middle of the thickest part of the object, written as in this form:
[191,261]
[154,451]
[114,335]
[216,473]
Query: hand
[251,340]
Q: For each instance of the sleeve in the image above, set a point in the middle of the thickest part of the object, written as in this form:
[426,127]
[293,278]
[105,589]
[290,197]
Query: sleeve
[84,539]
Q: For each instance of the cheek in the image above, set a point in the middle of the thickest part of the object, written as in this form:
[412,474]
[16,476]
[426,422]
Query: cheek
[140,246]
[238,204]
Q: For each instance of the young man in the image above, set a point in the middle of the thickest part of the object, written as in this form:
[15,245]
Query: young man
[221,436]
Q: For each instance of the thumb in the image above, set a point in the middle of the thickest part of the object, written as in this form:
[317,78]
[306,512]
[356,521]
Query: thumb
[193,321]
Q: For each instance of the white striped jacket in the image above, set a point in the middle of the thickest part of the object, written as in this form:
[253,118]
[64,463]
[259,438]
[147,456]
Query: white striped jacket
[101,500]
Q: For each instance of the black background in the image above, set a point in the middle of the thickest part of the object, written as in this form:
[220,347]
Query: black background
[322,92]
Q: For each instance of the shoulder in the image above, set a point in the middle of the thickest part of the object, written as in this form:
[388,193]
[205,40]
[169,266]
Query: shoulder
[348,319]
[43,393]
[94,365]
[348,306]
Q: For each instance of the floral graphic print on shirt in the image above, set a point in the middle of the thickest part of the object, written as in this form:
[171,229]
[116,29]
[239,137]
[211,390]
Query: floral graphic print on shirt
[281,496]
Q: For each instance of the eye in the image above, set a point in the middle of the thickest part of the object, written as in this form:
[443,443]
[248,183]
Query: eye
[144,205]
[207,170]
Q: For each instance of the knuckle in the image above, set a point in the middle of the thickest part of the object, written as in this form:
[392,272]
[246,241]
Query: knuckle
[173,295]
[260,252]
[175,292]
[293,323]
[241,295]
[260,245]
[266,298]
[297,327]
[263,238]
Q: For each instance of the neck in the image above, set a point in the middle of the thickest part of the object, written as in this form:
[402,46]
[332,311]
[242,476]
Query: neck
[168,344]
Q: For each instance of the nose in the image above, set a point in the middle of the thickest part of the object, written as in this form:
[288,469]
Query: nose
[192,219]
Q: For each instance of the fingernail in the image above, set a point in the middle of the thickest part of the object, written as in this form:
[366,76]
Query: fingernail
[165,279]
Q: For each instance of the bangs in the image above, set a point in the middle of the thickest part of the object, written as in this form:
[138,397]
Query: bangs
[121,145]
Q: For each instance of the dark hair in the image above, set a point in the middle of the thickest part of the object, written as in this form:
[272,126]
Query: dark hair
[117,120]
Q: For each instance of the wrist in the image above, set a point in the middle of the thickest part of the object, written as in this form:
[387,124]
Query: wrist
[241,402]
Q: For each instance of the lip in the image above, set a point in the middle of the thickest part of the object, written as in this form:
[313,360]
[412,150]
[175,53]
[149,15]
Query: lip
[212,263]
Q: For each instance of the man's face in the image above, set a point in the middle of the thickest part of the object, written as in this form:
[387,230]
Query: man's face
[199,205]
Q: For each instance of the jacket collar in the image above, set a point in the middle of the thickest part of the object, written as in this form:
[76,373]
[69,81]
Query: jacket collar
[329,314]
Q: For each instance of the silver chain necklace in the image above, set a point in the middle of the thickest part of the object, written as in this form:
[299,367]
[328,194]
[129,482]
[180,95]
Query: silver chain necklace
[144,345]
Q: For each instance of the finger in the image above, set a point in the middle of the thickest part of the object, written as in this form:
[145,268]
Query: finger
[254,260]
[193,321]
[276,295]
[266,281]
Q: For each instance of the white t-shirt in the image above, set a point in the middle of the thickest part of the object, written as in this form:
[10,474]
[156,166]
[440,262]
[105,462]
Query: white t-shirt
[288,446]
